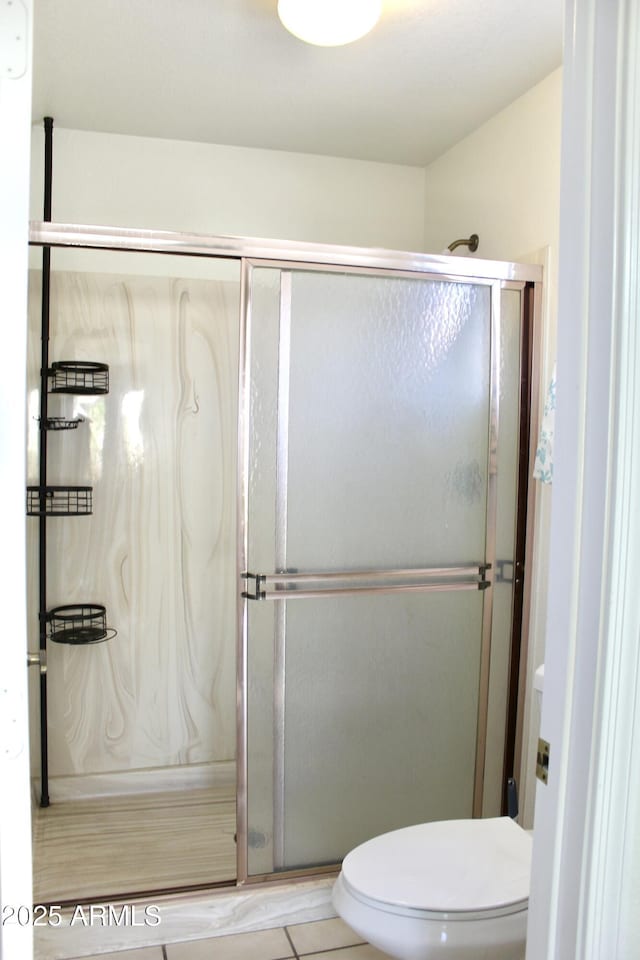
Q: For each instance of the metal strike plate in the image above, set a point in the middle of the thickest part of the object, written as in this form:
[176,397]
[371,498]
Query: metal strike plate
[13,39]
[542,764]
[505,571]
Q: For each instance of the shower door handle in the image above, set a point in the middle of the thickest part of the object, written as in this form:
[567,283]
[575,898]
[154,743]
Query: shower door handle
[304,586]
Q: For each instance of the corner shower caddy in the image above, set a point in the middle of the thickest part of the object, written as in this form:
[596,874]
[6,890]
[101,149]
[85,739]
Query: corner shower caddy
[78,623]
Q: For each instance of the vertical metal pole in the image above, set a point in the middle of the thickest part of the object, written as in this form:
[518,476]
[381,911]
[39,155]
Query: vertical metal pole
[44,412]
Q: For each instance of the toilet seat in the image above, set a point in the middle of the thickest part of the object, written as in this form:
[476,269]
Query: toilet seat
[454,869]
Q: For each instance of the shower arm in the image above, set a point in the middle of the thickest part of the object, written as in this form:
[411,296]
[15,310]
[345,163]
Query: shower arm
[471,242]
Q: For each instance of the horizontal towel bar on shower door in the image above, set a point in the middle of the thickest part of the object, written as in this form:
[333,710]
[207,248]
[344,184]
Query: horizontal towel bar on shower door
[345,582]
[380,588]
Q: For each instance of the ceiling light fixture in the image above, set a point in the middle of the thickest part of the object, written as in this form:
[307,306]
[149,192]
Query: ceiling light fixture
[329,23]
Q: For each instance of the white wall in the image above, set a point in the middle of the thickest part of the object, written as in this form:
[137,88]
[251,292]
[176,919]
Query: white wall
[206,188]
[503,182]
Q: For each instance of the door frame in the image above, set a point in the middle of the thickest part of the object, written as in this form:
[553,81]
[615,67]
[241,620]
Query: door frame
[585,874]
[16,935]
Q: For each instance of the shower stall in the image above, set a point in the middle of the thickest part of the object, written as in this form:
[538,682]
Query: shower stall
[315,566]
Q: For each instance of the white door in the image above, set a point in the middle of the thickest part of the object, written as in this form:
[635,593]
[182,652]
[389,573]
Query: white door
[15,819]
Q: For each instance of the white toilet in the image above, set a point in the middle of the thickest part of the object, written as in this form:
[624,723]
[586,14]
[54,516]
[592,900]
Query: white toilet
[450,890]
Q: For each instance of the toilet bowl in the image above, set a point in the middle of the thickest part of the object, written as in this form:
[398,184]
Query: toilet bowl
[450,890]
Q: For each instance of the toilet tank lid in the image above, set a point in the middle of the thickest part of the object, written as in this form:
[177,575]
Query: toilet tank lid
[447,866]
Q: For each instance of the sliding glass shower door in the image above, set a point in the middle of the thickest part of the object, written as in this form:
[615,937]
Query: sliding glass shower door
[370,477]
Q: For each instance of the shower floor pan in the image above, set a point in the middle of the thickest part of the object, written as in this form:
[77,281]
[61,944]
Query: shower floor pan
[112,846]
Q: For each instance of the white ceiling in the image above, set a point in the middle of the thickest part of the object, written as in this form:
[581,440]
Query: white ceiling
[226,71]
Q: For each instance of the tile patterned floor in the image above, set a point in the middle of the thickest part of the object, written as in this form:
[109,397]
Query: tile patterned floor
[322,940]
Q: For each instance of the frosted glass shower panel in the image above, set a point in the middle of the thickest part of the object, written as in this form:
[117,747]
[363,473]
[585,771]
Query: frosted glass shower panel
[368,404]
[388,421]
[381,703]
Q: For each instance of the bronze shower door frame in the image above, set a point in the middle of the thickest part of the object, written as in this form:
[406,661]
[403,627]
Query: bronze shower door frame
[274,586]
[295,255]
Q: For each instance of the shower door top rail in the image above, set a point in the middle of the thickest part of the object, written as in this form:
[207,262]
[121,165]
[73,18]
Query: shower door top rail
[52,234]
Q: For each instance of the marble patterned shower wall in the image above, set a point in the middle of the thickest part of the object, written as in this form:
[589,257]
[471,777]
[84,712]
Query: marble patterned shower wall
[159,549]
